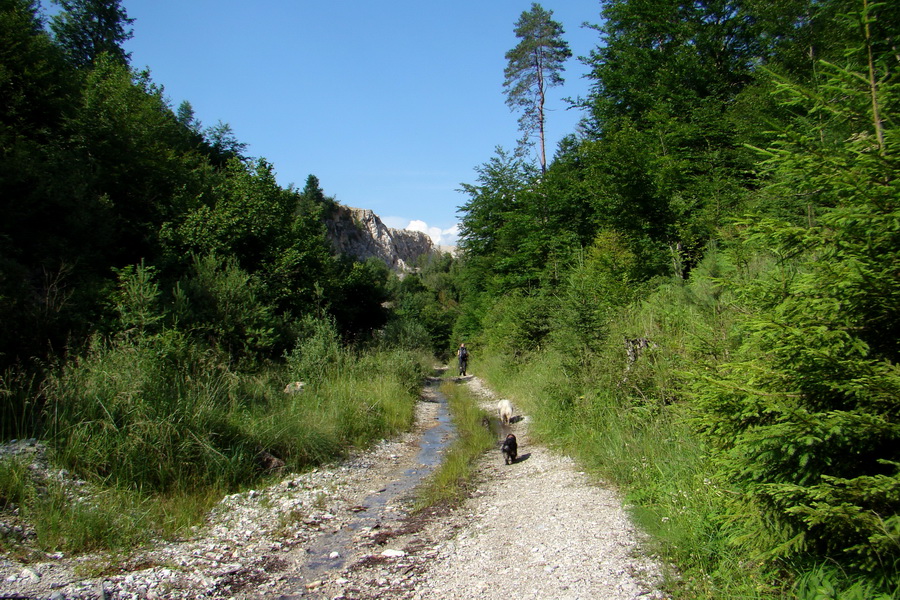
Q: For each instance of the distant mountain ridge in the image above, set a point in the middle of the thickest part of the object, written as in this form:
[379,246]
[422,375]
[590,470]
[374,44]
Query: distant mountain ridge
[360,233]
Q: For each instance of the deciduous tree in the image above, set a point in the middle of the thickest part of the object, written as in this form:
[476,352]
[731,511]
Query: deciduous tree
[665,82]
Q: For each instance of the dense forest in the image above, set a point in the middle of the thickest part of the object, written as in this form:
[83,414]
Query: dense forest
[697,294]
[159,290]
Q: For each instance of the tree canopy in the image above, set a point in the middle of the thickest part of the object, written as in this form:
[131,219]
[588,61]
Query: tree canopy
[85,29]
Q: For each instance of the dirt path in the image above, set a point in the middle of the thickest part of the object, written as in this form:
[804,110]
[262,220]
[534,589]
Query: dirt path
[534,529]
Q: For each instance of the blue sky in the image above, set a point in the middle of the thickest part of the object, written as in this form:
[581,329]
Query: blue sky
[390,104]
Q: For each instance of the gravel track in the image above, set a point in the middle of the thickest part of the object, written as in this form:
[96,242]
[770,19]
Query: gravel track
[539,528]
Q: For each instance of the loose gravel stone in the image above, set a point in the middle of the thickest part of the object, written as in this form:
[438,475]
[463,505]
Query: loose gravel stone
[538,528]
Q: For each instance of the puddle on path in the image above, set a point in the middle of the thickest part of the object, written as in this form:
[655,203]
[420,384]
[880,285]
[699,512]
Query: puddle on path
[385,503]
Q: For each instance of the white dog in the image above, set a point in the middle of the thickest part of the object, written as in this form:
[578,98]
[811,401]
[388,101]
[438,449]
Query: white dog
[504,407]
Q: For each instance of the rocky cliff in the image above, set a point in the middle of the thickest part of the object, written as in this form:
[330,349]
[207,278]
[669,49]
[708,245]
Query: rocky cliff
[358,232]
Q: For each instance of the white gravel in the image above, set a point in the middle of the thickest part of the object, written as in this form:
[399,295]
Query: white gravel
[539,528]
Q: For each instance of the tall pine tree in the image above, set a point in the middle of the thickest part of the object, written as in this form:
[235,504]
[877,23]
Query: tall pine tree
[535,66]
[85,29]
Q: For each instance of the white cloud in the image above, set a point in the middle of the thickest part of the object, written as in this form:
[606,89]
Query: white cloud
[440,237]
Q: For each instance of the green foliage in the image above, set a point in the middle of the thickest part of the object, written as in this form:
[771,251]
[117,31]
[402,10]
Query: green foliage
[218,302]
[408,334]
[602,279]
[827,583]
[33,76]
[137,299]
[100,519]
[500,183]
[111,520]
[669,54]
[668,132]
[313,193]
[14,488]
[34,97]
[86,29]
[514,230]
[317,352]
[425,306]
[516,324]
[223,145]
[805,416]
[123,114]
[137,416]
[167,416]
[247,220]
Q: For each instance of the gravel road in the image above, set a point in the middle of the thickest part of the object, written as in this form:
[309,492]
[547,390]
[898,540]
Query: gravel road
[539,528]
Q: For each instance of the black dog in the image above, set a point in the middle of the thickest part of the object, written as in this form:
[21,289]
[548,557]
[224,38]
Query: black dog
[510,449]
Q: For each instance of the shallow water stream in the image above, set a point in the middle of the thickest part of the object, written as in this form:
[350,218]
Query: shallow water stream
[329,553]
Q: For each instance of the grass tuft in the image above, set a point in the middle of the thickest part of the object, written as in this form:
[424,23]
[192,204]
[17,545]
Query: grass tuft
[452,480]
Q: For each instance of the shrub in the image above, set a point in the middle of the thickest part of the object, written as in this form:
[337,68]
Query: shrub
[317,350]
[219,303]
[804,416]
[407,334]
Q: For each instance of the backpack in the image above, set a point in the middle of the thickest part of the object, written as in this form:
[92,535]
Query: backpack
[464,353]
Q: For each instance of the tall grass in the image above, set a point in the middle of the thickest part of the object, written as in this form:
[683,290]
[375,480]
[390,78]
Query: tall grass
[14,482]
[632,426]
[160,428]
[137,417]
[81,518]
[20,407]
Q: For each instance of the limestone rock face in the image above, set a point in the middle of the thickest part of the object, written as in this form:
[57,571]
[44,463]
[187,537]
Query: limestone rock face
[358,232]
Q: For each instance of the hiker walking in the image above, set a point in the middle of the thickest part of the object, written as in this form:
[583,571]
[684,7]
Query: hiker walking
[463,356]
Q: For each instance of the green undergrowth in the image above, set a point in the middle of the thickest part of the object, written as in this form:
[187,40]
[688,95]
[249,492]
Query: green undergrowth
[452,480]
[160,430]
[88,517]
[635,424]
[133,418]
[631,424]
[652,456]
